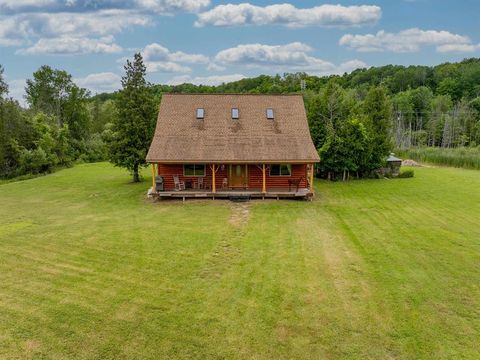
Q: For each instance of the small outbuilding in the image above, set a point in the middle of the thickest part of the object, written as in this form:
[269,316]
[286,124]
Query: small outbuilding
[393,165]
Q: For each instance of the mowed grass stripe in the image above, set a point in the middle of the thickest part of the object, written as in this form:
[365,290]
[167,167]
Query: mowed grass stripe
[370,269]
[425,256]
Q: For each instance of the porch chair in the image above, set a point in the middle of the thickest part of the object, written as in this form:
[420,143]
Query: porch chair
[207,185]
[179,184]
[200,183]
[294,182]
[225,183]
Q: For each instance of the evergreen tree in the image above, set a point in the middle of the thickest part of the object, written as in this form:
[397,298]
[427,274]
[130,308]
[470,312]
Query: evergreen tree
[377,109]
[3,136]
[132,129]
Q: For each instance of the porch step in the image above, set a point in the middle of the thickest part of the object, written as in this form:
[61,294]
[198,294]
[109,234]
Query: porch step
[239,198]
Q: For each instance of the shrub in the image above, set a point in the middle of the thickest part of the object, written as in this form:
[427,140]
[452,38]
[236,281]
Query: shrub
[34,161]
[406,173]
[94,149]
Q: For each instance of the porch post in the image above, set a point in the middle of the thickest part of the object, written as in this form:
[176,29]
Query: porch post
[154,186]
[311,178]
[264,182]
[214,189]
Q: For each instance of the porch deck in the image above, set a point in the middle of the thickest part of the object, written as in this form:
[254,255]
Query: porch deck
[227,193]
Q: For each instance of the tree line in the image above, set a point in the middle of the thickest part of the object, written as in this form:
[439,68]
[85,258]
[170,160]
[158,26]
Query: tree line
[356,119]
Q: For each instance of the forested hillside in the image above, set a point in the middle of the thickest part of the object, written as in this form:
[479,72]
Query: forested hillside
[355,119]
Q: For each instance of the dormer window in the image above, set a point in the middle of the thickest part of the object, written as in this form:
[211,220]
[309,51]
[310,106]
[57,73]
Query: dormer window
[235,114]
[270,114]
[200,113]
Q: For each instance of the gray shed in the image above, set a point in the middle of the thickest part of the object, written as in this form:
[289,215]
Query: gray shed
[393,165]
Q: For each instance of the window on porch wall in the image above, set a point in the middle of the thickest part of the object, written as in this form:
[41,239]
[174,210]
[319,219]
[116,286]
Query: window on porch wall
[281,170]
[194,170]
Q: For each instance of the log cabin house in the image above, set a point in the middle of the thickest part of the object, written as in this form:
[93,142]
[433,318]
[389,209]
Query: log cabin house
[224,145]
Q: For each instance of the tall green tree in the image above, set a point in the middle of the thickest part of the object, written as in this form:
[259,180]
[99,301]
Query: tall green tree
[132,129]
[3,139]
[75,113]
[3,84]
[377,109]
[48,91]
[54,93]
[332,110]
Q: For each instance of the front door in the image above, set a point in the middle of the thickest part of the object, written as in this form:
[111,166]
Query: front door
[238,176]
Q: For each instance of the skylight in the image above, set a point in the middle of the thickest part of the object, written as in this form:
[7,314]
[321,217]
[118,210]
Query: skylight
[270,114]
[200,113]
[235,113]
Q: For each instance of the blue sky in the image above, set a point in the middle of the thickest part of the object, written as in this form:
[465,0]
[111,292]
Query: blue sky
[208,41]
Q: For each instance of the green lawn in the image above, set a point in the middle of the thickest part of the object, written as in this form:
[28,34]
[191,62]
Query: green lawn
[378,269]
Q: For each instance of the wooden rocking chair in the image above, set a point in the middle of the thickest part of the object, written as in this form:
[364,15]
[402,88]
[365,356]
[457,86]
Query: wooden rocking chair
[294,182]
[179,184]
[200,184]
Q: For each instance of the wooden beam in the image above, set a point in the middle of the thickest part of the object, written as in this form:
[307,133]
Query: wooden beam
[154,187]
[264,180]
[214,188]
[311,179]
[246,176]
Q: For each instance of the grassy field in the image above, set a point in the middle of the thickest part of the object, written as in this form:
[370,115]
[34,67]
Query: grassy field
[377,269]
[465,157]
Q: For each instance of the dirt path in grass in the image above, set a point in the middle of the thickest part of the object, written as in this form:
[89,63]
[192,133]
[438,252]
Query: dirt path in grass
[240,213]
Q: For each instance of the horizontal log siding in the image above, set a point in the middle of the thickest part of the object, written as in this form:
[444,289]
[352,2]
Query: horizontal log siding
[168,170]
[254,175]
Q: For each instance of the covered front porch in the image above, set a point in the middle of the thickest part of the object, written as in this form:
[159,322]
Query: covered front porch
[232,180]
[236,194]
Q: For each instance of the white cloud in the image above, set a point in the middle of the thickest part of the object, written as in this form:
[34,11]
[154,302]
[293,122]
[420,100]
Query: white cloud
[458,48]
[100,82]
[410,40]
[166,67]
[12,31]
[215,67]
[66,27]
[290,57]
[28,21]
[205,80]
[160,59]
[106,22]
[289,15]
[161,7]
[349,66]
[157,52]
[68,45]
[169,6]
[21,5]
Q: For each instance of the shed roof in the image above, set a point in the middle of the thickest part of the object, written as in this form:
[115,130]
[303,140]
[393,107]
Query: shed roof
[181,137]
[393,158]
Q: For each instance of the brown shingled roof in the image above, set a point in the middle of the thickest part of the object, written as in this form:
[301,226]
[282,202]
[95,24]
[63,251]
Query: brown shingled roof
[181,137]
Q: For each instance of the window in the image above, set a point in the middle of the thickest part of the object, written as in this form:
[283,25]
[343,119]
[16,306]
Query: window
[270,114]
[235,113]
[280,170]
[200,113]
[194,170]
